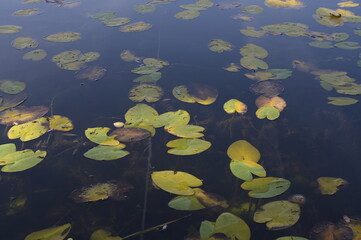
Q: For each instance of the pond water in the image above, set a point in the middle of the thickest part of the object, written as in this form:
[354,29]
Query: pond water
[311,137]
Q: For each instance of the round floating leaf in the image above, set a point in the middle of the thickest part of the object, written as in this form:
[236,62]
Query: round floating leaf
[232,226]
[259,76]
[278,214]
[279,73]
[185,203]
[179,183]
[348,45]
[103,15]
[186,131]
[149,78]
[114,22]
[145,69]
[136,27]
[287,28]
[193,7]
[60,123]
[252,63]
[228,5]
[22,114]
[24,42]
[144,8]
[131,134]
[243,150]
[321,44]
[277,102]
[128,56]
[207,229]
[187,15]
[204,3]
[187,146]
[244,169]
[58,233]
[101,234]
[269,112]
[181,93]
[232,67]
[291,238]
[168,119]
[35,55]
[149,93]
[233,106]
[254,9]
[92,73]
[89,56]
[6,149]
[348,4]
[203,94]
[141,113]
[26,12]
[330,185]
[331,231]
[341,101]
[242,17]
[266,187]
[6,29]
[64,37]
[253,50]
[21,160]
[99,135]
[30,130]
[338,37]
[337,78]
[219,46]
[12,87]
[252,32]
[106,152]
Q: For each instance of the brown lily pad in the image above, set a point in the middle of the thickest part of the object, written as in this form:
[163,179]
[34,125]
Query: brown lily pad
[268,88]
[330,231]
[91,73]
[130,134]
[22,114]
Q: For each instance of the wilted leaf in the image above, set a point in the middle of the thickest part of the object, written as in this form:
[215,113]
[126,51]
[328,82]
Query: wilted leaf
[131,134]
[330,185]
[12,87]
[92,73]
[30,130]
[60,123]
[53,233]
[233,106]
[22,114]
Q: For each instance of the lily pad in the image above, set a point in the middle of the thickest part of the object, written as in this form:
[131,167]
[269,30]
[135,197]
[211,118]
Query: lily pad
[330,185]
[342,101]
[114,22]
[12,87]
[219,46]
[210,200]
[269,112]
[130,134]
[91,73]
[266,187]
[146,92]
[233,106]
[60,123]
[329,230]
[30,130]
[26,12]
[267,88]
[144,8]
[228,5]
[348,45]
[291,238]
[106,152]
[253,50]
[99,135]
[204,3]
[181,93]
[278,214]
[187,146]
[22,114]
[128,56]
[232,226]
[58,233]
[284,4]
[254,9]
[232,67]
[101,234]
[202,93]
[277,102]
[186,131]
[12,100]
[21,160]
[64,37]
[145,69]
[24,42]
[136,27]
[185,203]
[179,183]
[103,15]
[244,169]
[321,44]
[252,63]
[7,148]
[6,29]
[169,119]
[149,78]
[193,7]
[35,55]
[252,32]
[141,113]
[187,15]
[243,150]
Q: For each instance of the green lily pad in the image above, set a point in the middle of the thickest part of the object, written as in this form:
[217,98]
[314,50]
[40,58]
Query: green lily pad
[53,233]
[6,29]
[244,169]
[337,79]
[149,78]
[185,203]
[232,226]
[101,234]
[186,131]
[252,32]
[136,27]
[254,9]
[253,50]
[278,214]
[6,149]
[30,130]
[103,15]
[233,106]
[146,69]
[24,42]
[128,56]
[269,112]
[288,28]
[169,119]
[252,63]
[193,7]
[21,160]
[100,136]
[219,46]
[342,101]
[114,22]
[26,12]
[278,74]
[326,86]
[141,113]
[63,37]
[35,55]
[89,56]
[187,15]
[146,92]
[12,87]
[338,37]
[204,3]
[232,67]
[207,229]
[10,101]
[106,152]
[187,146]
[321,44]
[144,8]
[348,45]
[266,187]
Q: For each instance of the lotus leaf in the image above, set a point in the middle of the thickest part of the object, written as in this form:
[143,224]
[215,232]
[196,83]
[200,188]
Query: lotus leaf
[142,126]
[254,9]
[106,152]
[186,131]
[141,113]
[279,73]
[149,78]
[303,66]
[179,183]
[287,28]
[331,231]
[131,134]
[348,4]
[149,93]
[232,226]
[269,112]
[283,3]
[228,5]
[63,37]
[337,79]
[89,56]
[252,32]
[128,56]
[187,146]
[342,101]
[278,214]
[348,45]
[207,229]
[234,105]
[185,203]
[136,27]
[252,63]
[277,102]
[31,1]
[145,69]
[204,3]
[21,160]
[30,130]
[321,44]
[242,17]
[210,200]
[266,187]
[330,185]
[22,114]
[73,59]
[338,37]
[91,73]
[259,76]
[60,123]
[219,46]
[144,8]
[252,50]
[99,135]
[35,55]
[187,15]
[12,87]
[114,22]
[232,67]
[155,62]
[104,15]
[53,233]
[24,42]
[181,93]
[291,238]
[10,101]
[66,57]
[326,86]
[193,7]
[169,119]
[5,29]
[101,191]
[26,12]
[244,169]
[101,234]
[267,88]
[243,150]
[354,90]
[203,94]
[6,149]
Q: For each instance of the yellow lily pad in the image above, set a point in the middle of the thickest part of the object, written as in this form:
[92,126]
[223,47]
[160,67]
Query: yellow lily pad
[219,46]
[348,4]
[187,146]
[141,113]
[269,112]
[60,123]
[253,50]
[136,27]
[22,114]
[99,135]
[179,183]
[243,150]
[210,200]
[21,160]
[12,87]
[58,233]
[35,55]
[6,29]
[253,9]
[6,149]
[146,92]
[330,185]
[187,15]
[186,131]
[168,119]
[30,130]
[24,42]
[278,214]
[233,106]
[244,169]
[64,37]
[284,4]
[266,187]
[185,203]
[181,93]
[341,101]
[101,234]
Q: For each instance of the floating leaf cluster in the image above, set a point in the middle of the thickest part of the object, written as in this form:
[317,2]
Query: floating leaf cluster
[74,60]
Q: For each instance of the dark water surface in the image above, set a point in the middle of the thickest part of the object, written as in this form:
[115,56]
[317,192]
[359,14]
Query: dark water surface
[310,139]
